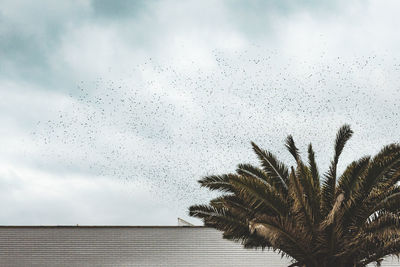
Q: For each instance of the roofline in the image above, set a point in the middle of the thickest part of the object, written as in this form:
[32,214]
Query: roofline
[99,226]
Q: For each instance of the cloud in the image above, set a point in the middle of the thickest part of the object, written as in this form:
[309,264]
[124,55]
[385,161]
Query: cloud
[119,8]
[30,34]
[98,98]
[48,199]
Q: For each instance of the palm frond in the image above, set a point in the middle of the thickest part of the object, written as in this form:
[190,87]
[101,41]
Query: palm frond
[299,206]
[257,193]
[291,147]
[273,167]
[350,178]
[257,173]
[329,185]
[221,219]
[218,182]
[285,235]
[382,164]
[352,220]
[315,196]
[313,168]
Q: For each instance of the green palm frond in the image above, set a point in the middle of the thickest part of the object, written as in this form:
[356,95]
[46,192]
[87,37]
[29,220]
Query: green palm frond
[221,219]
[291,147]
[217,182]
[348,182]
[383,224]
[313,168]
[380,166]
[300,208]
[258,193]
[273,167]
[251,171]
[283,234]
[315,196]
[351,219]
[329,185]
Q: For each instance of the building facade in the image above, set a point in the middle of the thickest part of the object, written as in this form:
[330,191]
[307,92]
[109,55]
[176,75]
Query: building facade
[71,246]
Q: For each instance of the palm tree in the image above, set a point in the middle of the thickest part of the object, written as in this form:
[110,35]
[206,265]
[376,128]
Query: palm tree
[352,220]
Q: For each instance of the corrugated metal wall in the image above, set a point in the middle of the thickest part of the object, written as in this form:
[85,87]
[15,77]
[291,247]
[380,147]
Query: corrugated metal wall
[126,246]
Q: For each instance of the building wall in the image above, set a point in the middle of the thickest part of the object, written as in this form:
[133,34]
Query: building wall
[127,246]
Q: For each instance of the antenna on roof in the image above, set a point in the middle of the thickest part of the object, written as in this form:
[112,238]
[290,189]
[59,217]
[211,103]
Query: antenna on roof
[182,222]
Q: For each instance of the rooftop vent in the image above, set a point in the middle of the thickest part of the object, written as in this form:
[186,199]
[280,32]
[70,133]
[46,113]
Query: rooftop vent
[182,222]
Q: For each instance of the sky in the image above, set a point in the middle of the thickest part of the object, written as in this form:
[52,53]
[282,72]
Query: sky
[110,111]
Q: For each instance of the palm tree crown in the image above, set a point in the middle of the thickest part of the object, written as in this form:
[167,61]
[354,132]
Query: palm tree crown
[347,220]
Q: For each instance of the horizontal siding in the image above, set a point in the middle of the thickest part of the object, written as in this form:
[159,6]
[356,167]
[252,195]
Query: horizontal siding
[158,246]
[128,246]
[389,262]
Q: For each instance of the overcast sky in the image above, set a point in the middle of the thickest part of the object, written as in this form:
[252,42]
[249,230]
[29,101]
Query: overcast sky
[110,111]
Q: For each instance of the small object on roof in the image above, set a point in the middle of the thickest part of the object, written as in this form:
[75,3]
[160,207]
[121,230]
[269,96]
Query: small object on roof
[182,222]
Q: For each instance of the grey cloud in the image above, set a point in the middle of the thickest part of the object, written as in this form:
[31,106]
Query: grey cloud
[162,94]
[120,8]
[257,19]
[30,35]
[50,200]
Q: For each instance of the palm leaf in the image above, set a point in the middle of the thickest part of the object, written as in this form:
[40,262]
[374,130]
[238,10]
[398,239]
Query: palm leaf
[218,182]
[352,220]
[258,193]
[329,185]
[273,167]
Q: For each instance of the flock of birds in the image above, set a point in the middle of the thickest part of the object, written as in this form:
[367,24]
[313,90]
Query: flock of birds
[167,128]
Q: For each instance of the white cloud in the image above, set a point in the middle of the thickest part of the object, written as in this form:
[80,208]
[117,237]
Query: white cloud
[36,197]
[176,92]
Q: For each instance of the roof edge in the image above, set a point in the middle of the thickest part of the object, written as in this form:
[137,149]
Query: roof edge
[100,226]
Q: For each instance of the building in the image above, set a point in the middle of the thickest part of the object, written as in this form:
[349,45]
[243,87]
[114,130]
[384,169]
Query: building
[87,246]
